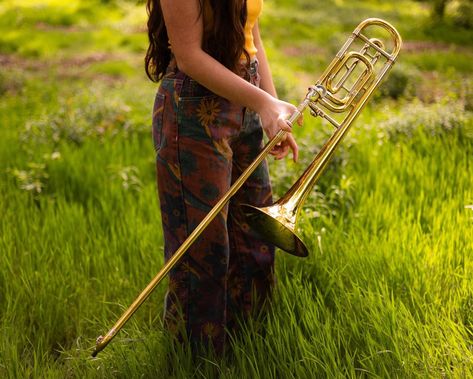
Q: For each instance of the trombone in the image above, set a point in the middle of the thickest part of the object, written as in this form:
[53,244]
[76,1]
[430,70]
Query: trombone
[338,96]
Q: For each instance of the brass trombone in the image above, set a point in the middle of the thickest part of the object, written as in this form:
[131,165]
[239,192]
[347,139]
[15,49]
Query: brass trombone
[338,96]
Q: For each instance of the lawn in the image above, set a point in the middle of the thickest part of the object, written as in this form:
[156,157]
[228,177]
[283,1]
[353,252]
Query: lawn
[387,290]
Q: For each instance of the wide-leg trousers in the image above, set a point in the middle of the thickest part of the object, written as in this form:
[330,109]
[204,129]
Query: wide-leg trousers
[203,143]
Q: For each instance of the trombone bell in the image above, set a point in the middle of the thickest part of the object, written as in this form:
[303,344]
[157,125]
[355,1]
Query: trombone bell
[273,226]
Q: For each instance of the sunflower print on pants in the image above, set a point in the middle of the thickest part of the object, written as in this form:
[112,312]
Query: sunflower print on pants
[203,143]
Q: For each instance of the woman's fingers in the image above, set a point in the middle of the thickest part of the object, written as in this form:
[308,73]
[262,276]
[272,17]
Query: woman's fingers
[280,151]
[273,125]
[282,148]
[291,142]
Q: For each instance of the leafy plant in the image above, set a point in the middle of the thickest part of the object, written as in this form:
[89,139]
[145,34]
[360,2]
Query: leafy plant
[84,115]
[434,119]
[402,81]
[33,179]
[128,176]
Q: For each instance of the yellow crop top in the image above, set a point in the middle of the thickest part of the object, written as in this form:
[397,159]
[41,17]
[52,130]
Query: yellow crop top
[254,8]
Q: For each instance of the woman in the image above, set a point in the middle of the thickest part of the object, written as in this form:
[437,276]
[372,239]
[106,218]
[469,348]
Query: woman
[215,98]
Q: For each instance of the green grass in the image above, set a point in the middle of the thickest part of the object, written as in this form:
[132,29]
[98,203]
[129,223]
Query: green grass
[387,290]
[443,61]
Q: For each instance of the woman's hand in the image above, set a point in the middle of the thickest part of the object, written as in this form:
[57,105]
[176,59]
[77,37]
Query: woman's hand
[274,117]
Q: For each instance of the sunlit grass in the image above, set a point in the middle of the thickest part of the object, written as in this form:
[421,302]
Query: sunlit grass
[387,290]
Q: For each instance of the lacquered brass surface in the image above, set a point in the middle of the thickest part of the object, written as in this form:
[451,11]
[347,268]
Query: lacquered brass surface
[278,222]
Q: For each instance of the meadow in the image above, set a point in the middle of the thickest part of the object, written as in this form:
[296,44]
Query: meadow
[387,290]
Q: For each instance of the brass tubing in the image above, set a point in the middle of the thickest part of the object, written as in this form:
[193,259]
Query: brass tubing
[293,200]
[277,223]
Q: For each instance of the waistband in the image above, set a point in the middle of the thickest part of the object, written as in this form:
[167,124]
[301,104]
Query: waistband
[188,87]
[246,71]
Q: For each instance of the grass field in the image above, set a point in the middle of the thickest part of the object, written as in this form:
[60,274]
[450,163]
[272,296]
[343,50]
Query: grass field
[387,290]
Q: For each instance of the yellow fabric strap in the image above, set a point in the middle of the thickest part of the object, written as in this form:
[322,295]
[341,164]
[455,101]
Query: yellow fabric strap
[254,8]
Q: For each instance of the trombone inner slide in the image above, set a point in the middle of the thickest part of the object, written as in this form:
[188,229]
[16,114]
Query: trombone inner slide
[335,93]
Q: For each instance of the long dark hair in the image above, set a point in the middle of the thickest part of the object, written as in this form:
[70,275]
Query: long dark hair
[223,39]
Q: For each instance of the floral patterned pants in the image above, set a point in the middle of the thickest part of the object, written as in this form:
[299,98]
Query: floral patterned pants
[203,143]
